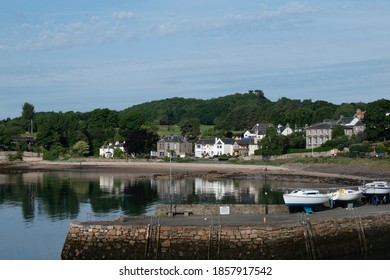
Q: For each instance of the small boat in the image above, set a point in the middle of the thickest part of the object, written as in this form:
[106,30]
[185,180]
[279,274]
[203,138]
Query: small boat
[305,198]
[375,188]
[345,195]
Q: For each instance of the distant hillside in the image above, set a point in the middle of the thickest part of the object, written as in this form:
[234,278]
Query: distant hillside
[241,110]
[173,110]
[58,132]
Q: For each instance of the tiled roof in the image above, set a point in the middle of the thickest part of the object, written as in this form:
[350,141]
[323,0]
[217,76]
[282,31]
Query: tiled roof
[345,120]
[207,141]
[259,129]
[245,141]
[323,125]
[173,139]
[228,141]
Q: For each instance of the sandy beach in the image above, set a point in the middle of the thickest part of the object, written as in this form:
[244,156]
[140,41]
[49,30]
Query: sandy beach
[328,173]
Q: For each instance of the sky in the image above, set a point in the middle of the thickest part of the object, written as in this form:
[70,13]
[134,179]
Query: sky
[80,55]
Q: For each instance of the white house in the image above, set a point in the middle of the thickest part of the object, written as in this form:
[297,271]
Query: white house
[213,147]
[257,132]
[107,151]
[284,130]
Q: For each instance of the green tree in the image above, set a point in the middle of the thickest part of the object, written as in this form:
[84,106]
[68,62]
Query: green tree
[118,153]
[28,116]
[297,140]
[81,148]
[272,144]
[140,141]
[380,148]
[346,110]
[337,131]
[130,120]
[299,117]
[358,149]
[377,120]
[190,128]
[323,113]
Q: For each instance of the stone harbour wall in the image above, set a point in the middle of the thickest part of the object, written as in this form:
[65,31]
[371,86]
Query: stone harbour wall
[321,239]
[214,209]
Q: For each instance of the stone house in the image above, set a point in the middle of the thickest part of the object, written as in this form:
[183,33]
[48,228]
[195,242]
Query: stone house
[351,125]
[245,147]
[317,134]
[179,146]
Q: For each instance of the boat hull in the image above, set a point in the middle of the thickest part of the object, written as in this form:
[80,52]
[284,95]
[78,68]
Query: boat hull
[304,201]
[350,197]
[372,191]
[375,188]
[346,195]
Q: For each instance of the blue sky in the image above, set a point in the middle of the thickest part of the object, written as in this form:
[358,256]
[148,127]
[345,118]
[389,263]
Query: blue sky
[79,55]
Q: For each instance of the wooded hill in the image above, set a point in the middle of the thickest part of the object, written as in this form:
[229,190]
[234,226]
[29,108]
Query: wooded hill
[235,112]
[243,110]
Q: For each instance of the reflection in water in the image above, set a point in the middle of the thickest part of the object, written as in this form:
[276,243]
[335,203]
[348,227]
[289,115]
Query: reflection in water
[66,195]
[237,191]
[108,184]
[61,195]
[36,208]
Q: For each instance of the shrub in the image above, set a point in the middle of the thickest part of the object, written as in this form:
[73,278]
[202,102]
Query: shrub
[358,149]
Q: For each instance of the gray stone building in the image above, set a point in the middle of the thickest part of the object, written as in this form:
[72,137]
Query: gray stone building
[178,145]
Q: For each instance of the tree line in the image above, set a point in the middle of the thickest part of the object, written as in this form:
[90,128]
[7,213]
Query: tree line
[62,133]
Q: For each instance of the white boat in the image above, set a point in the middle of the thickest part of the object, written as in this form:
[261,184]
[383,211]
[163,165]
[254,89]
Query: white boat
[345,195]
[305,198]
[380,188]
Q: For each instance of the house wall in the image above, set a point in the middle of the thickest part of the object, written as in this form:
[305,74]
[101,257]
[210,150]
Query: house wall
[316,137]
[179,149]
[216,149]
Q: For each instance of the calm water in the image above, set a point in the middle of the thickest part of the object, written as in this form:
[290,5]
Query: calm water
[37,208]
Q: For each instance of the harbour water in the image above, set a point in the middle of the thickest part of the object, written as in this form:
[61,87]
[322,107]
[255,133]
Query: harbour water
[37,208]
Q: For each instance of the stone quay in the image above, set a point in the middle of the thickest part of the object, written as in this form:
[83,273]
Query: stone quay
[331,234]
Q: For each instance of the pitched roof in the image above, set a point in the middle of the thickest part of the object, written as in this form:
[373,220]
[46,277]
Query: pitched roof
[245,141]
[173,139]
[323,125]
[228,141]
[211,141]
[260,129]
[207,141]
[345,120]
[350,121]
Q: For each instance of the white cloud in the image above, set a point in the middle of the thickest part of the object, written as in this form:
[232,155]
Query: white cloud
[168,27]
[52,34]
[94,19]
[285,15]
[123,15]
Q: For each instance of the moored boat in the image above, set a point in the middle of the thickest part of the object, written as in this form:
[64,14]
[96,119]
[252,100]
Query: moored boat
[305,198]
[375,188]
[346,195]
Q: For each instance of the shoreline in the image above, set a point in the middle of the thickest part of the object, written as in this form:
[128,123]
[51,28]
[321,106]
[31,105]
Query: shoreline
[323,173]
